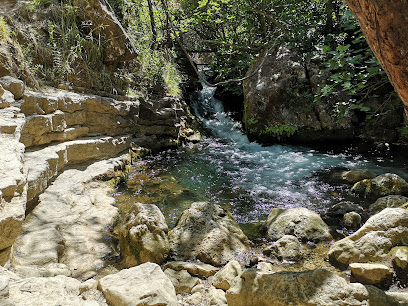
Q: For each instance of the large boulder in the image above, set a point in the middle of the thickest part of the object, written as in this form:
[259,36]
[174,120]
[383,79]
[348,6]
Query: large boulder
[143,236]
[374,239]
[382,185]
[277,102]
[299,222]
[118,46]
[142,285]
[316,287]
[209,233]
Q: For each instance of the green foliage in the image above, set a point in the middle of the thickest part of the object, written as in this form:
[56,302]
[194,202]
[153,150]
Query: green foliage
[4,30]
[279,131]
[352,69]
[404,132]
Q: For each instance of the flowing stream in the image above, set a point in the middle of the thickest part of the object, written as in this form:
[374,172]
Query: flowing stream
[244,177]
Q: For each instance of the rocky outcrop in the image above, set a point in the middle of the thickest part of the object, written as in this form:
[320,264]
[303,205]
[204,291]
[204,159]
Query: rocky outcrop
[299,222]
[276,98]
[69,225]
[98,13]
[43,133]
[382,185]
[143,236]
[209,233]
[374,239]
[317,287]
[142,285]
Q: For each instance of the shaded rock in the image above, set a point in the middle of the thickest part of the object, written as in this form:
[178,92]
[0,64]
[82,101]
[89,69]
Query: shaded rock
[371,274]
[145,284]
[299,222]
[286,248]
[352,220]
[143,235]
[317,287]
[374,239]
[192,267]
[207,232]
[382,185]
[15,86]
[356,175]
[118,46]
[223,278]
[275,96]
[392,201]
[182,281]
[344,207]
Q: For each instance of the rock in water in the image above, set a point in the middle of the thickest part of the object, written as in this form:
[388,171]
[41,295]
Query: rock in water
[299,222]
[209,233]
[143,236]
[317,287]
[374,240]
[392,201]
[145,284]
[382,185]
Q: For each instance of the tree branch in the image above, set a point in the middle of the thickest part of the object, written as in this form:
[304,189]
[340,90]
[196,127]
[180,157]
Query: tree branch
[273,20]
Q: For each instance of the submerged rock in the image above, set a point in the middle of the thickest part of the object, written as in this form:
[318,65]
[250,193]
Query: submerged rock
[209,233]
[382,185]
[299,222]
[317,287]
[145,284]
[374,240]
[392,201]
[143,236]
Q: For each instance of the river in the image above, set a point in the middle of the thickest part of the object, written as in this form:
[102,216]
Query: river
[242,176]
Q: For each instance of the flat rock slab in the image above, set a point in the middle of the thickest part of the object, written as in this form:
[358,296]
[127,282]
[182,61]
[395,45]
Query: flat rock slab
[69,225]
[144,285]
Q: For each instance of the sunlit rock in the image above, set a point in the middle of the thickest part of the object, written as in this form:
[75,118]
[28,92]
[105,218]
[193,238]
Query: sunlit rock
[374,239]
[286,248]
[299,222]
[143,235]
[209,233]
[392,201]
[145,284]
[223,278]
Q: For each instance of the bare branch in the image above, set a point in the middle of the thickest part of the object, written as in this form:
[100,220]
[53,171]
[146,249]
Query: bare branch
[273,20]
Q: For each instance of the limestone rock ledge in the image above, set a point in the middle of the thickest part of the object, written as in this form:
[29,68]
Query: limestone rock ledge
[43,133]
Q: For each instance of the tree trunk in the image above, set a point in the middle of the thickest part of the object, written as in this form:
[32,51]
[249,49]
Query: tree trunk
[385,25]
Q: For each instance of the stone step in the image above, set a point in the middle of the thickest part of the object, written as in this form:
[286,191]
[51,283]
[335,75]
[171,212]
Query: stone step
[45,164]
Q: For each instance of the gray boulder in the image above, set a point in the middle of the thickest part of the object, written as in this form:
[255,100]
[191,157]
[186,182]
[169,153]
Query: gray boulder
[299,222]
[286,248]
[143,236]
[209,233]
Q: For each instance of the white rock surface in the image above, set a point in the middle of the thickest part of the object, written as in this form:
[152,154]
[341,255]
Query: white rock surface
[145,285]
